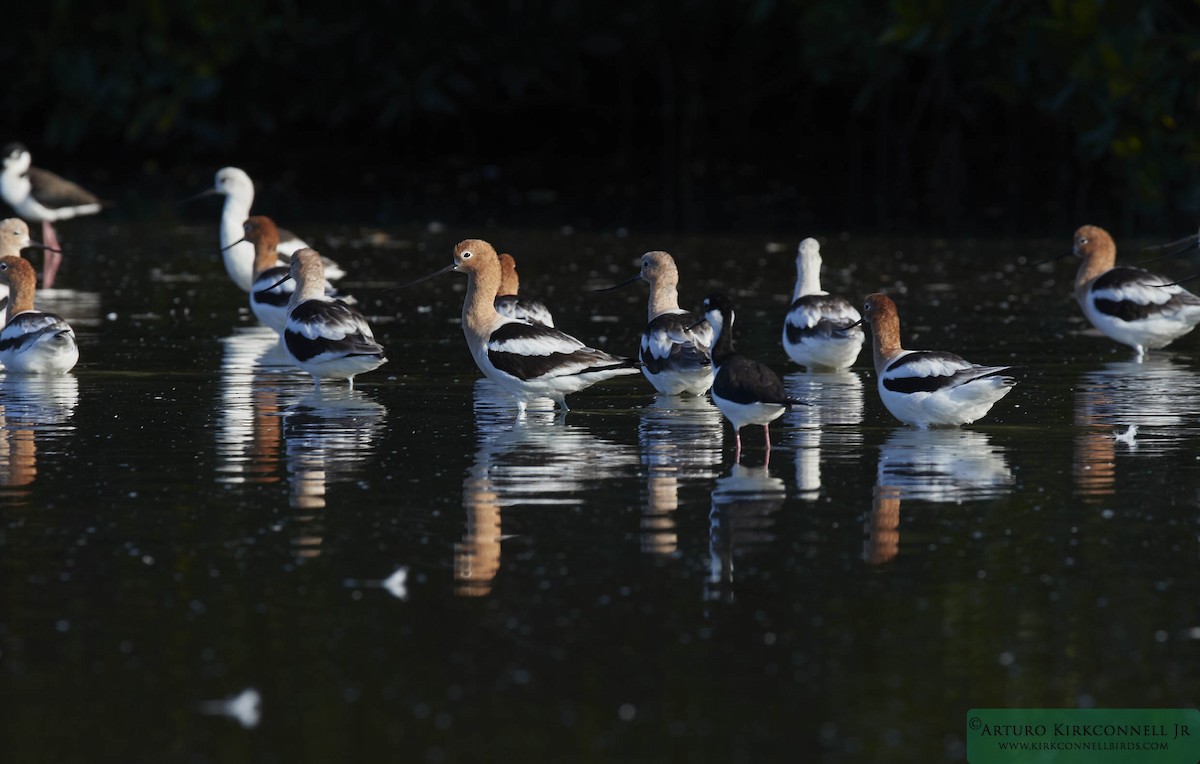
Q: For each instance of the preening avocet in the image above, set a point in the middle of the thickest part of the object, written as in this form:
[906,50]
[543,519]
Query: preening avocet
[324,336]
[237,188]
[746,391]
[928,387]
[527,360]
[270,292]
[675,347]
[1131,305]
[32,342]
[14,237]
[820,330]
[40,195]
[510,303]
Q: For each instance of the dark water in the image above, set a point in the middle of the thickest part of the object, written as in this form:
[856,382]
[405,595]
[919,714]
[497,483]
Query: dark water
[406,573]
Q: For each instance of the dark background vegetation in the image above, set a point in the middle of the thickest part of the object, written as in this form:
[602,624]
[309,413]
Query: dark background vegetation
[998,116]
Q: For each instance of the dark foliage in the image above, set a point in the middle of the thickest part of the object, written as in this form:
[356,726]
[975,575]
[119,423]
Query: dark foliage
[999,114]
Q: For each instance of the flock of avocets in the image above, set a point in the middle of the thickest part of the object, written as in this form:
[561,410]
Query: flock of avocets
[515,344]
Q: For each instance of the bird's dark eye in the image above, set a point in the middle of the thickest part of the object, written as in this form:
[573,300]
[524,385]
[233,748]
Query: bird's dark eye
[466,255]
[1082,240]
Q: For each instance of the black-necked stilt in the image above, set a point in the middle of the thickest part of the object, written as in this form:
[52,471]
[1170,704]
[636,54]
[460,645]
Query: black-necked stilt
[528,361]
[746,391]
[1132,306]
[237,188]
[928,387]
[324,336]
[31,341]
[510,303]
[816,332]
[40,195]
[675,346]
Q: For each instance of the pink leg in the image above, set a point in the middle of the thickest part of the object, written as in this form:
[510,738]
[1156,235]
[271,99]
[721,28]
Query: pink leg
[51,259]
[767,435]
[737,450]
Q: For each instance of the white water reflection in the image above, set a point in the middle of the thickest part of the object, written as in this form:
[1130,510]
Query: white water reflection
[536,460]
[1156,395]
[822,429]
[330,435]
[943,465]
[249,438]
[744,504]
[681,440]
[938,465]
[33,408]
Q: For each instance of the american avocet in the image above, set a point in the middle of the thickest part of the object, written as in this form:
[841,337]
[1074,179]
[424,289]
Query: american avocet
[510,303]
[14,237]
[270,291]
[32,342]
[528,361]
[37,194]
[1131,305]
[675,343]
[237,188]
[268,295]
[928,387]
[324,336]
[746,391]
[816,332]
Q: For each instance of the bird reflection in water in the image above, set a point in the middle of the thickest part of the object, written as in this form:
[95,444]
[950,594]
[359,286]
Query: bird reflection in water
[744,504]
[330,435]
[1153,394]
[681,440]
[837,401]
[937,466]
[249,434]
[535,460]
[33,408]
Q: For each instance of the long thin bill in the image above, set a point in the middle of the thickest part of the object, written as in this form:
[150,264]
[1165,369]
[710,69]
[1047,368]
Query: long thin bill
[447,269]
[264,290]
[630,280]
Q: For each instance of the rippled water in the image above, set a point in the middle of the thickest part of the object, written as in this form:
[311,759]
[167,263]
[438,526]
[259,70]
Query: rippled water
[205,560]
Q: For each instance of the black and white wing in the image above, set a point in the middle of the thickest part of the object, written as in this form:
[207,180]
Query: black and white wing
[523,309]
[930,371]
[532,352]
[674,342]
[823,316]
[328,328]
[33,327]
[1134,294]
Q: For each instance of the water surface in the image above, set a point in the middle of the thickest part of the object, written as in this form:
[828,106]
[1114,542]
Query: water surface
[406,571]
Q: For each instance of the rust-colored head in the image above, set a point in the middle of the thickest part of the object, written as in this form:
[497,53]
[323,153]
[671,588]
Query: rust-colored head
[261,229]
[510,283]
[1099,254]
[880,312]
[879,307]
[1094,243]
[15,270]
[20,277]
[475,256]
